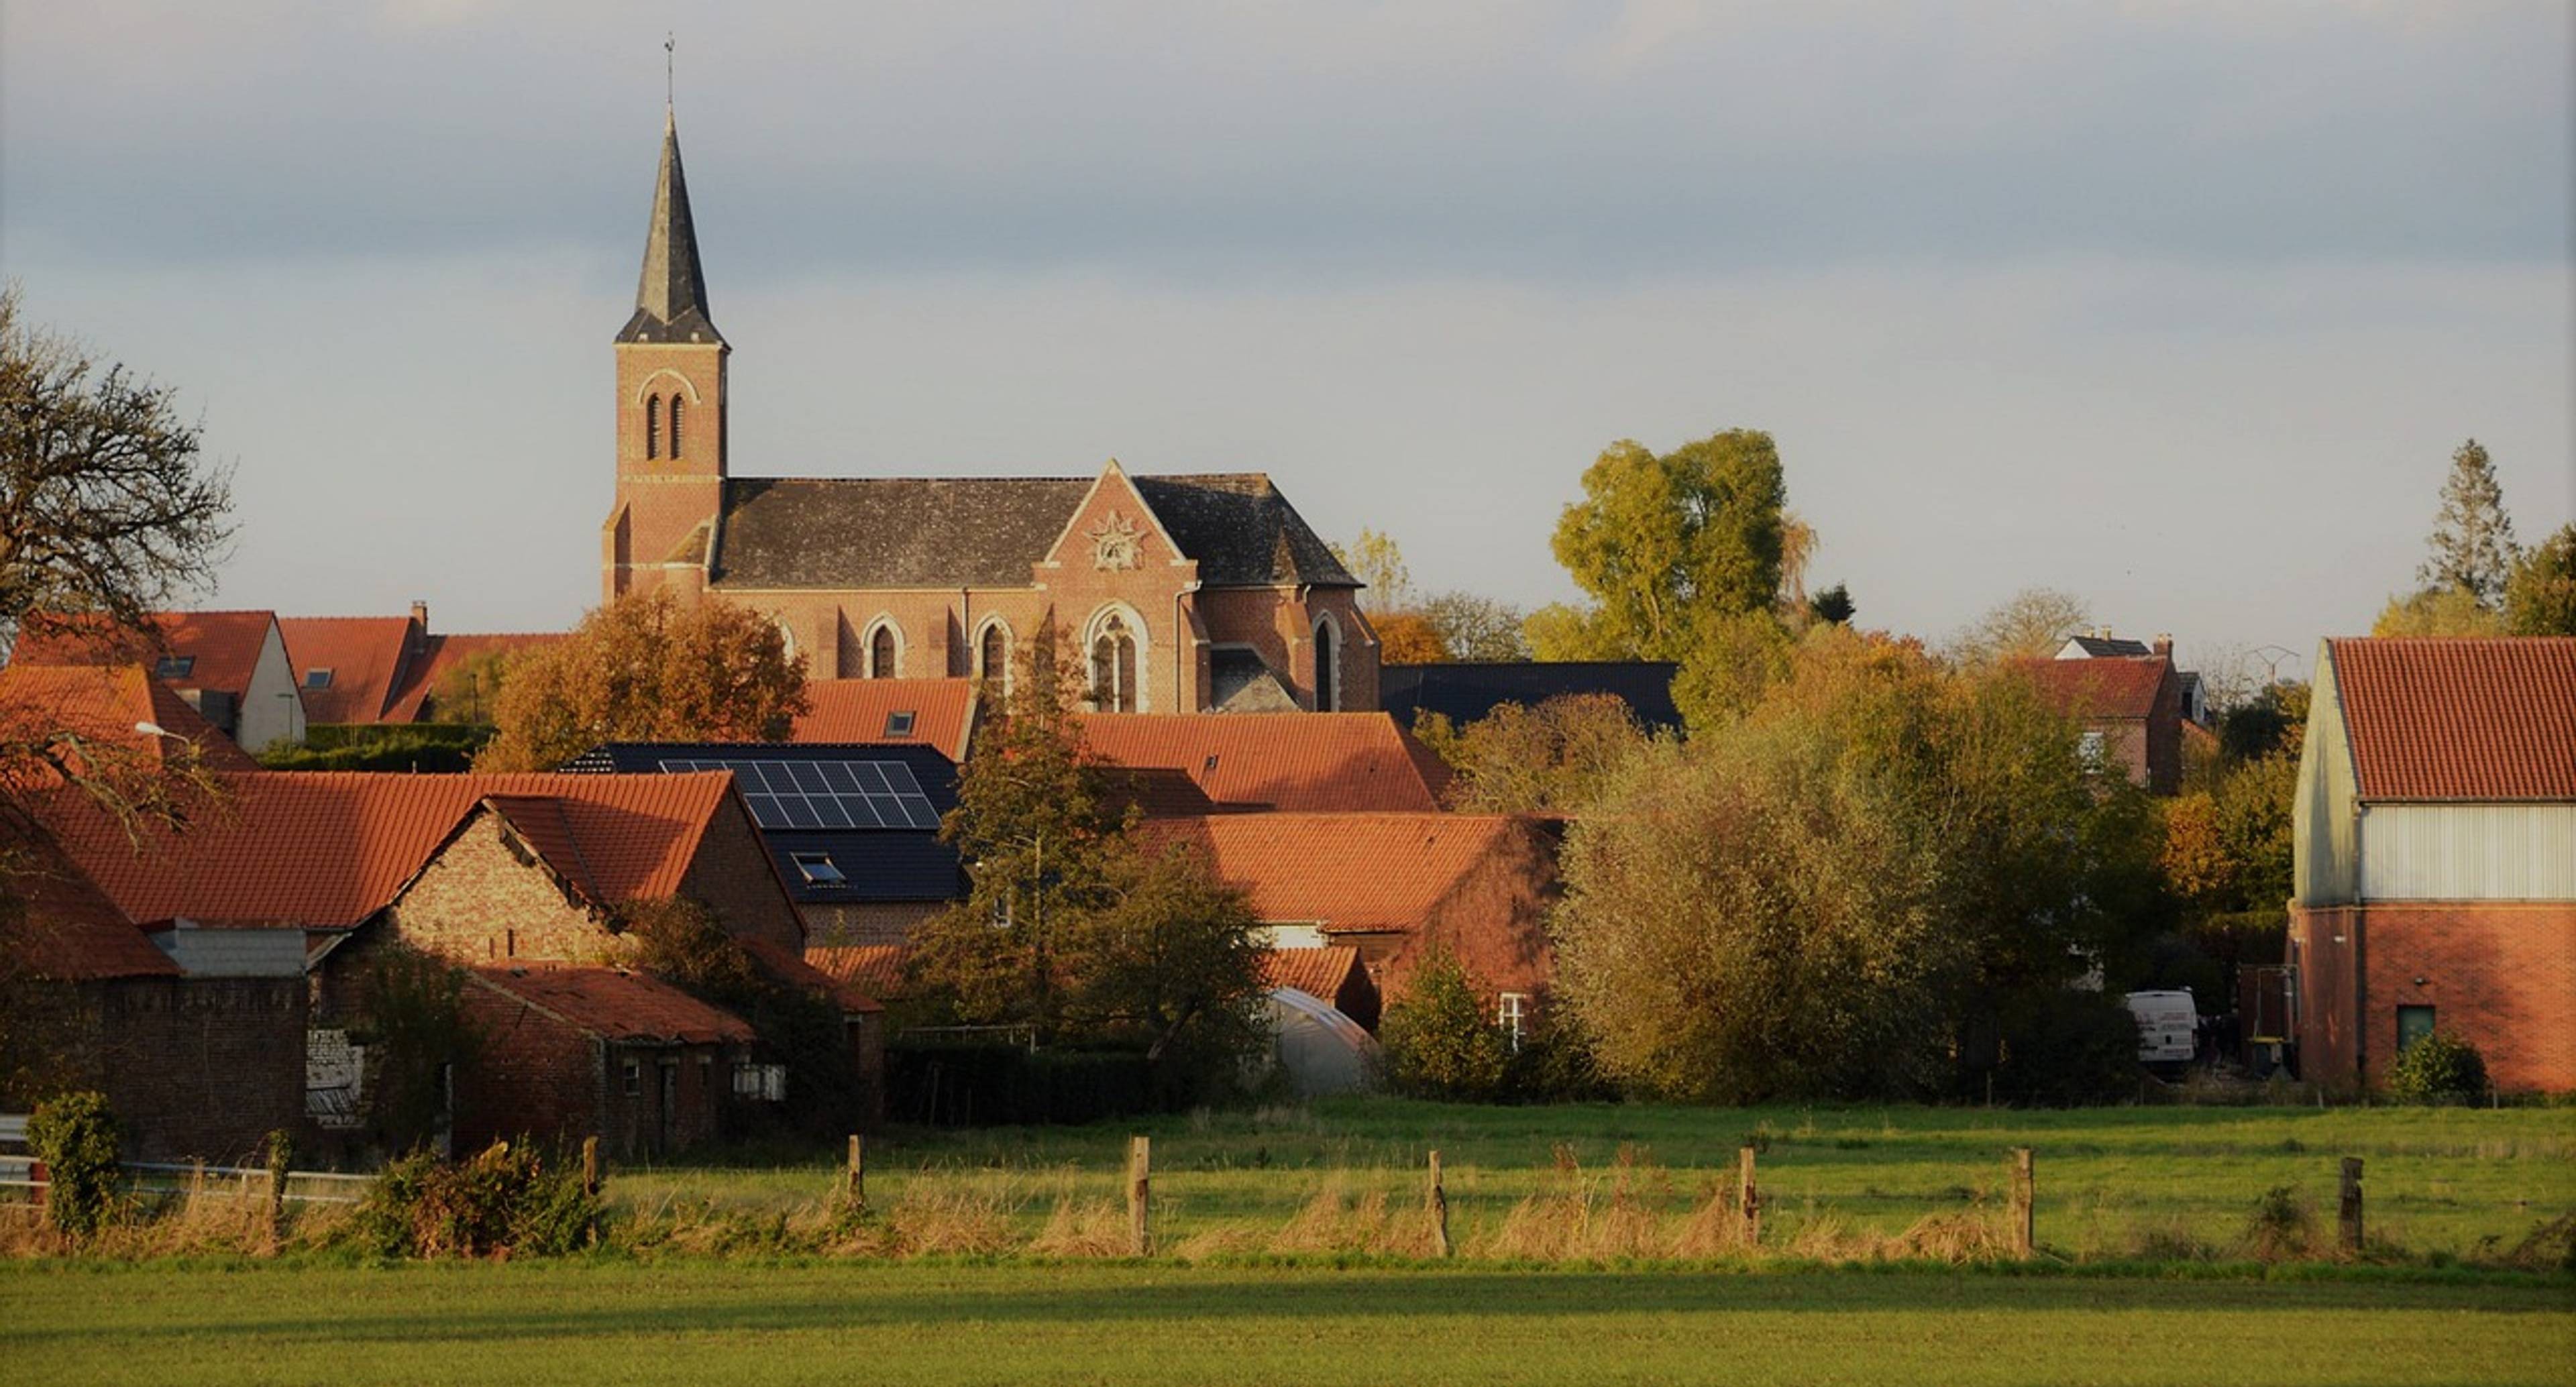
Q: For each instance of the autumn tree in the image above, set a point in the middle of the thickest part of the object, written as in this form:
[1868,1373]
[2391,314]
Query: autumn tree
[1473,628]
[2472,548]
[1408,638]
[1557,757]
[1663,544]
[2438,612]
[2029,625]
[1377,561]
[646,668]
[2540,600]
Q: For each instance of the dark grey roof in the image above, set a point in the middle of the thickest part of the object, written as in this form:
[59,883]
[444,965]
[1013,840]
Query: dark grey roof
[870,532]
[2109,647]
[1464,693]
[671,295]
[1239,682]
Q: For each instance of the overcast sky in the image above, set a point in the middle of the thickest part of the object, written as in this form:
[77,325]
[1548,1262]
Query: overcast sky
[2179,306]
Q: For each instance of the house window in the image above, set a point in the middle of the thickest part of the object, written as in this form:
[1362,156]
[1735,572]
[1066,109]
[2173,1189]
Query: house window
[633,1076]
[675,425]
[2090,746]
[993,654]
[1113,667]
[1512,1014]
[1328,674]
[2413,1024]
[817,869]
[653,427]
[318,677]
[881,653]
[899,723]
[764,1082]
[175,667]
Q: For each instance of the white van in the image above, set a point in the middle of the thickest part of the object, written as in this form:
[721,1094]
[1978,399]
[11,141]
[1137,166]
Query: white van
[2168,1026]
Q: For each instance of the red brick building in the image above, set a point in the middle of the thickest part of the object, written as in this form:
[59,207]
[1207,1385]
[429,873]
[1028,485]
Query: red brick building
[1179,593]
[2131,709]
[2436,857]
[232,667]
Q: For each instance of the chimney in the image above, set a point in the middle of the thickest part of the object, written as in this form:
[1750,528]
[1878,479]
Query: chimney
[2162,644]
[420,614]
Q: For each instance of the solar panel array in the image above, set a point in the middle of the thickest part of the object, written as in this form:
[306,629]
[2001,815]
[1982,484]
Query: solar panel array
[826,794]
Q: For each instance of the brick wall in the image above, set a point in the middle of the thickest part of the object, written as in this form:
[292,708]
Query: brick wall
[2500,975]
[485,900]
[734,875]
[540,1077]
[193,1067]
[1493,922]
[867,922]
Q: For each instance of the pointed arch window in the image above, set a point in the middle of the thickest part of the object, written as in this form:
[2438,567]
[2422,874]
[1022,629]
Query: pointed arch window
[881,652]
[1328,671]
[993,655]
[1113,667]
[652,426]
[675,425]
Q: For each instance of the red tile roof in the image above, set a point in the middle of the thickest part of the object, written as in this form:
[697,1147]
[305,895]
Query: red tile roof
[224,645]
[616,1005]
[63,928]
[2104,687]
[366,655]
[439,655]
[793,970]
[1319,973]
[328,849]
[876,969]
[1296,762]
[1363,872]
[106,703]
[2460,718]
[855,710]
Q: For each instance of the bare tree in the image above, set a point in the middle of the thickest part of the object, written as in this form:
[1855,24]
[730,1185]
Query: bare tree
[2028,625]
[106,507]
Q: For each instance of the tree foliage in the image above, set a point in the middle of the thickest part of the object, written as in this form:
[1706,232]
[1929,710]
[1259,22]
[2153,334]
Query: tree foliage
[1843,891]
[2438,612]
[77,1138]
[1558,757]
[1408,638]
[2471,547]
[2540,600]
[106,507]
[1473,628]
[2438,1068]
[2029,625]
[644,668]
[1378,561]
[1664,544]
[1440,1040]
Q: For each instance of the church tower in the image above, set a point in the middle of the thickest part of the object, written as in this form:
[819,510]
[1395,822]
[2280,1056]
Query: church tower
[670,408]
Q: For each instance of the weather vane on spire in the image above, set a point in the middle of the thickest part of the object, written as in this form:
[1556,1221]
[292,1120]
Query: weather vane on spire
[670,68]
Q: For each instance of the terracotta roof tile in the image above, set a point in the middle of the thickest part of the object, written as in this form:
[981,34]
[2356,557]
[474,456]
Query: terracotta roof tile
[875,969]
[328,849]
[2460,718]
[857,711]
[224,645]
[613,1004]
[1319,973]
[63,928]
[795,971]
[2104,687]
[1293,762]
[1363,872]
[367,657]
[106,703]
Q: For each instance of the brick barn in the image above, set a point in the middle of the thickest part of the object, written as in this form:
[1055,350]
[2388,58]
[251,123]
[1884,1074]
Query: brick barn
[1180,593]
[2436,857]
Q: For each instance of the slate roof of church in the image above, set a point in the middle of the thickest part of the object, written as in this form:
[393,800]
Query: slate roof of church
[671,292]
[940,532]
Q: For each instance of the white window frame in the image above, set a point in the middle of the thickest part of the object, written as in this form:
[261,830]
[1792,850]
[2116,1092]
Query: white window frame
[1512,1015]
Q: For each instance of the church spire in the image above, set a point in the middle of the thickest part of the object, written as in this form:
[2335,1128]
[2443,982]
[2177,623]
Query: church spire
[671,297]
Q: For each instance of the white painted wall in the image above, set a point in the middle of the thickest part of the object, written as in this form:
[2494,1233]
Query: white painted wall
[272,711]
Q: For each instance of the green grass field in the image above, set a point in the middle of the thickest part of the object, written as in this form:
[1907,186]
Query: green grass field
[749,1325]
[2440,1182]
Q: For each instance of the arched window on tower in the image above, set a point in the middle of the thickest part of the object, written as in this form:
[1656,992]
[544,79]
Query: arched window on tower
[993,656]
[881,653]
[1113,667]
[1328,680]
[653,426]
[675,426]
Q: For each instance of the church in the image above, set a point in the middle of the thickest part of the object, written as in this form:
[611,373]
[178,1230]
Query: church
[1184,594]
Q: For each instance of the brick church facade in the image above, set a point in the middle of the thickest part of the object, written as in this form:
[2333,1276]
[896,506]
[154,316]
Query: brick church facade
[1179,593]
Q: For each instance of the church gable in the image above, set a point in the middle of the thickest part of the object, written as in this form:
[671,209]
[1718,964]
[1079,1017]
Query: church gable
[1113,531]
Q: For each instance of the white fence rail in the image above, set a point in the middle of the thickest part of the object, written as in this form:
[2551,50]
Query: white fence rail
[159,1177]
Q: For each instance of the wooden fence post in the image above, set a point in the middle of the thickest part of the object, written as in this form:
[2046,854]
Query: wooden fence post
[1140,1180]
[1438,1203]
[2349,1221]
[280,1155]
[2025,1203]
[1748,1198]
[858,1174]
[590,1181]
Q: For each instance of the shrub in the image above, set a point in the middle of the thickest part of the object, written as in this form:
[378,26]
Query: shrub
[2438,1068]
[1439,1040]
[76,1137]
[1555,1064]
[2064,1048]
[510,1198]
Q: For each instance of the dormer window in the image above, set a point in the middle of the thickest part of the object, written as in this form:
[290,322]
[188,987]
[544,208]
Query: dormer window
[817,868]
[175,667]
[318,677]
[899,724]
[653,427]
